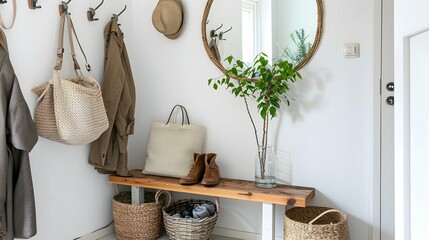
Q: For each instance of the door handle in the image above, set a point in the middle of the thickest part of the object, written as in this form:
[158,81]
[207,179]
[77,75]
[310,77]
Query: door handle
[390,87]
[390,100]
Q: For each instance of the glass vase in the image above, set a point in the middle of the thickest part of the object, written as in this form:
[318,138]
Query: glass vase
[265,167]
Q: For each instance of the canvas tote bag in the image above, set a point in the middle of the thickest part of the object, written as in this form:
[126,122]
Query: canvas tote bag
[172,145]
[70,111]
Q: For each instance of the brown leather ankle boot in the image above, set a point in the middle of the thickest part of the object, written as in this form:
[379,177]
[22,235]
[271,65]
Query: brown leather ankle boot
[211,176]
[196,172]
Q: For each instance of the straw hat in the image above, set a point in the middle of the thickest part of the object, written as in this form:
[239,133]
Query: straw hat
[167,18]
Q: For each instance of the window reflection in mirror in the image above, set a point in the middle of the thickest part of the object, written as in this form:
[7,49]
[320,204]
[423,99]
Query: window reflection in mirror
[272,27]
[249,18]
[296,30]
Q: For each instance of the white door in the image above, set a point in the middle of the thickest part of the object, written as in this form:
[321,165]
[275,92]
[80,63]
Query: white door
[411,119]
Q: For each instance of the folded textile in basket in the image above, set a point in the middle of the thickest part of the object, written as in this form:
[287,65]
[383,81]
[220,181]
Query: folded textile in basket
[203,210]
[196,211]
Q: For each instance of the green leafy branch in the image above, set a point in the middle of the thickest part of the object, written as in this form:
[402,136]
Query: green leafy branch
[267,84]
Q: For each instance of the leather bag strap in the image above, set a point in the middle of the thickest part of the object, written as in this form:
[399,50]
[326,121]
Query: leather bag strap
[72,29]
[13,18]
[60,49]
[185,117]
[70,34]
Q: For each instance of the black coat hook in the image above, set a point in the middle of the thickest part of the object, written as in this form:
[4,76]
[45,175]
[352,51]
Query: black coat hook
[222,33]
[228,30]
[213,32]
[64,6]
[91,12]
[219,27]
[3,1]
[116,16]
[33,4]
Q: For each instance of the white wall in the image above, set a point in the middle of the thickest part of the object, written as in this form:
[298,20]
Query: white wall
[327,130]
[72,199]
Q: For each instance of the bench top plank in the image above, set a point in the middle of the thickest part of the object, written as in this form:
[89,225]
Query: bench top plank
[227,188]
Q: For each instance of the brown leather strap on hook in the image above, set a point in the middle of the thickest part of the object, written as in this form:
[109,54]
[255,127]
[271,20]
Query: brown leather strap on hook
[60,49]
[73,54]
[73,30]
[13,20]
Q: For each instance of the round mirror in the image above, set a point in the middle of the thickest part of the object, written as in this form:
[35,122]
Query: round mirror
[282,29]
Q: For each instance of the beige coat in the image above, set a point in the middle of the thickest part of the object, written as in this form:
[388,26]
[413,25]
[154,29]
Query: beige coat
[17,137]
[109,152]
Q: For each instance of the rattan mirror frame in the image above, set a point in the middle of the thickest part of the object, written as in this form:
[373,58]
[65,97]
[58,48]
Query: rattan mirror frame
[299,66]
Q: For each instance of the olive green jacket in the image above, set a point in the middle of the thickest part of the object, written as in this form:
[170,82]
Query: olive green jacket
[109,152]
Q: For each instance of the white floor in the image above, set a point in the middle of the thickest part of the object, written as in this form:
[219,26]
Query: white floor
[164,237]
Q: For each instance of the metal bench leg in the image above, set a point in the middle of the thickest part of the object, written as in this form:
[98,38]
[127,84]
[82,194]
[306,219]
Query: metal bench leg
[268,221]
[137,195]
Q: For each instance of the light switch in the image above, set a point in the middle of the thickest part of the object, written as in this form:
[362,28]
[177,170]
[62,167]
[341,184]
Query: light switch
[351,50]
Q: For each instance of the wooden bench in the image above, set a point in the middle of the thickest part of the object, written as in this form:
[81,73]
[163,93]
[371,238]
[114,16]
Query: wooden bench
[227,188]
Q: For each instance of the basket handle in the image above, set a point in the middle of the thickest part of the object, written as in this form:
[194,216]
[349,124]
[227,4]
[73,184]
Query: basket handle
[322,214]
[217,200]
[166,193]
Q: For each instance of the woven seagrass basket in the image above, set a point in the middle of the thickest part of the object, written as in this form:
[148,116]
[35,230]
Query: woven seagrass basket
[309,223]
[188,229]
[138,221]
